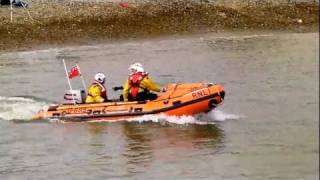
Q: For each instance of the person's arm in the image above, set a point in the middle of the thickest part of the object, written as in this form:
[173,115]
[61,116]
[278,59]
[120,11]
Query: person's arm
[150,84]
[125,91]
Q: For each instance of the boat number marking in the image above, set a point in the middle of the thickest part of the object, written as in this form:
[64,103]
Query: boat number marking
[200,93]
[76,110]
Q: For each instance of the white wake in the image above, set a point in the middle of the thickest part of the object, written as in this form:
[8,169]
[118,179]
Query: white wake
[12,108]
[218,115]
[22,108]
[162,118]
[202,119]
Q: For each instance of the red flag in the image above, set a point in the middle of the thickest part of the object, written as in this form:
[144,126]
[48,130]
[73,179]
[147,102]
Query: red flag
[74,72]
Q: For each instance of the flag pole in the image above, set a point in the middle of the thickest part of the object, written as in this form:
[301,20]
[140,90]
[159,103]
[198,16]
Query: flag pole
[11,11]
[82,78]
[67,76]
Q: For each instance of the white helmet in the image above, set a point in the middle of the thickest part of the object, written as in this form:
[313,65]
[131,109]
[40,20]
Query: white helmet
[100,77]
[136,67]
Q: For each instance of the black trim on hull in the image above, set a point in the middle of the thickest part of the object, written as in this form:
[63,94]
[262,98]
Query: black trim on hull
[85,118]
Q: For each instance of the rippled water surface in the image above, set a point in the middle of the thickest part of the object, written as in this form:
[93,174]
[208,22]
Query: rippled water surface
[267,127]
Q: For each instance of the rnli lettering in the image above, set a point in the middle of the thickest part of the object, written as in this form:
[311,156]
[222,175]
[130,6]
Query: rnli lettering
[200,93]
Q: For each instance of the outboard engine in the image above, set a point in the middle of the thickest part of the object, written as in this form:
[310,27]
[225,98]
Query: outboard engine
[79,96]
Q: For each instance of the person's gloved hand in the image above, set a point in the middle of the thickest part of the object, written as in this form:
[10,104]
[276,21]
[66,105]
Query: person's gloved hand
[101,100]
[117,88]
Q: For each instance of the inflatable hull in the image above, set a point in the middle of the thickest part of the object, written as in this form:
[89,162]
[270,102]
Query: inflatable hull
[178,100]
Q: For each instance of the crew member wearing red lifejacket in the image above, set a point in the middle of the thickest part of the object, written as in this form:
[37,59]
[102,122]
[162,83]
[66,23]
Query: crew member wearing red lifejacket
[97,93]
[139,85]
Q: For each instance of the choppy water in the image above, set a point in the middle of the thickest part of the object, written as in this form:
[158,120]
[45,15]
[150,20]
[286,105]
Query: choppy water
[266,129]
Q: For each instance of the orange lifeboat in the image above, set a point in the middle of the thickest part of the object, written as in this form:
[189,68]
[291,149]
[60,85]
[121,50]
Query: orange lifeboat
[178,100]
